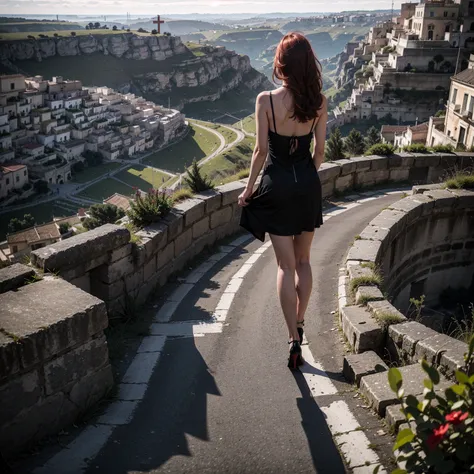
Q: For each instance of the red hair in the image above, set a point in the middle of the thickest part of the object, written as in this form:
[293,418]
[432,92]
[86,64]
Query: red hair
[296,64]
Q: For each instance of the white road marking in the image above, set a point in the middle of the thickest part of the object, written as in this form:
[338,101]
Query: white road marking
[141,368]
[132,391]
[339,418]
[118,413]
[354,446]
[318,381]
[185,328]
[152,344]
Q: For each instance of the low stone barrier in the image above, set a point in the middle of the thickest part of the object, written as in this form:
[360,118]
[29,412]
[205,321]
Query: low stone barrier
[54,362]
[419,245]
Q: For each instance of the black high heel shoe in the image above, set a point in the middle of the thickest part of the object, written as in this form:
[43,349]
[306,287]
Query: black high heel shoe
[295,358]
[300,329]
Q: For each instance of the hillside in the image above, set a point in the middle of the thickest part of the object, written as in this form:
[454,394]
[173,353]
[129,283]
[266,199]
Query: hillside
[180,27]
[18,25]
[160,68]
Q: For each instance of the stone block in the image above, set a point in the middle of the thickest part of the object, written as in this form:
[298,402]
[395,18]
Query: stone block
[150,268]
[344,183]
[182,242]
[347,167]
[107,291]
[221,217]
[133,281]
[422,188]
[165,256]
[372,232]
[434,346]
[92,388]
[116,271]
[192,209]
[230,192]
[369,178]
[154,237]
[120,253]
[363,163]
[389,219]
[407,159]
[19,394]
[443,198]
[394,416]
[364,250]
[355,270]
[83,283]
[329,171]
[399,174]
[327,188]
[201,227]
[357,366]
[9,360]
[464,198]
[376,389]
[75,364]
[47,324]
[212,200]
[368,293]
[378,163]
[70,252]
[423,160]
[380,309]
[394,161]
[14,276]
[361,330]
[174,220]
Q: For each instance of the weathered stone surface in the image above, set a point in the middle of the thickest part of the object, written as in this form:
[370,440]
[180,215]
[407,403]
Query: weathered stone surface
[347,166]
[154,237]
[14,276]
[329,171]
[376,389]
[406,336]
[399,174]
[165,256]
[200,227]
[372,232]
[117,270]
[434,346]
[357,366]
[150,268]
[379,163]
[422,188]
[364,250]
[387,219]
[394,417]
[423,160]
[344,183]
[230,192]
[443,198]
[212,199]
[464,198]
[357,270]
[182,242]
[221,217]
[363,163]
[368,293]
[120,253]
[75,364]
[453,358]
[383,308]
[83,283]
[19,394]
[47,325]
[328,188]
[192,209]
[360,329]
[174,220]
[70,252]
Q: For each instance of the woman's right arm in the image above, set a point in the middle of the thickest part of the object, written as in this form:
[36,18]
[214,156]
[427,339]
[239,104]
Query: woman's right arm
[320,135]
[261,148]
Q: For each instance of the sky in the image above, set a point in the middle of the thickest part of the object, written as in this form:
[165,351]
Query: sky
[184,6]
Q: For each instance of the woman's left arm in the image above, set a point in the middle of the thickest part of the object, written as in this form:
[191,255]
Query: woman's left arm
[261,148]
[320,134]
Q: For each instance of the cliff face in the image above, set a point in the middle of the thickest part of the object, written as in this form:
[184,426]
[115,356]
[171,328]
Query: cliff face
[127,45]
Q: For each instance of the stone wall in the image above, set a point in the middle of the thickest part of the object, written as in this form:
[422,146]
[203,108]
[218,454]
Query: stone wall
[419,245]
[54,362]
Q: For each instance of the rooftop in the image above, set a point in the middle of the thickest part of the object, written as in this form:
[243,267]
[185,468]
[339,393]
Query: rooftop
[12,168]
[35,234]
[119,200]
[393,128]
[466,77]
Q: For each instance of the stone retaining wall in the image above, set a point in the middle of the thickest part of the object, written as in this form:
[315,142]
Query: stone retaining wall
[421,244]
[54,361]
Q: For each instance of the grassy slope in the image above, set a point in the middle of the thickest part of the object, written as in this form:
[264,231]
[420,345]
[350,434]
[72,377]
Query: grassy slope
[104,189]
[94,172]
[142,177]
[64,33]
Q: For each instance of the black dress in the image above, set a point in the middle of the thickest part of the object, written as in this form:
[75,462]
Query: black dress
[288,200]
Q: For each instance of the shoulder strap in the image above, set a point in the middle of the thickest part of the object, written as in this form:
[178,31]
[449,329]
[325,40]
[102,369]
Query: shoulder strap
[273,113]
[312,126]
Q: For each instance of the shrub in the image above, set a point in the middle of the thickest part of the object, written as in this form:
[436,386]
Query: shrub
[78,167]
[196,181]
[440,113]
[369,280]
[27,187]
[354,143]
[154,32]
[416,148]
[461,181]
[440,435]
[64,228]
[73,33]
[16,225]
[373,137]
[182,194]
[443,148]
[149,208]
[101,214]
[334,146]
[382,149]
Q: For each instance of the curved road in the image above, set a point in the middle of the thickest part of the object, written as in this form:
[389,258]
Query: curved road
[224,400]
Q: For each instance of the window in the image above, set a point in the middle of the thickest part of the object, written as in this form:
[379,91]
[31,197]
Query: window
[464,102]
[17,179]
[445,13]
[15,249]
[431,14]
[453,98]
[24,173]
[471,104]
[471,4]
[8,181]
[12,86]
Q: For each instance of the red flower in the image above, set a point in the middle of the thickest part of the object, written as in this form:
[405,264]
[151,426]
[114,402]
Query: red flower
[456,417]
[437,436]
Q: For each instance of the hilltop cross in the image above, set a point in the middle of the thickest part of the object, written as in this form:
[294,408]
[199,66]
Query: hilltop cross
[158,22]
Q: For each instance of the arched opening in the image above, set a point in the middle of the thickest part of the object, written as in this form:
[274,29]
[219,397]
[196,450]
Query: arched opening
[430,32]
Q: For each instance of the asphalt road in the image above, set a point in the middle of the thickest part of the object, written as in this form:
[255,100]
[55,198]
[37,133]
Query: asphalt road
[227,402]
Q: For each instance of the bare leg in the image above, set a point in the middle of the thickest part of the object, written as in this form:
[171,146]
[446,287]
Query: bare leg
[304,276]
[285,255]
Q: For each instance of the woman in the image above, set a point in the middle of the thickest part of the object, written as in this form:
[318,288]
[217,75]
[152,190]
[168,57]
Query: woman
[288,202]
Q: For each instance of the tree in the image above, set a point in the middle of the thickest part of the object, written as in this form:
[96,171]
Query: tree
[93,158]
[78,167]
[101,214]
[96,25]
[64,228]
[154,32]
[91,26]
[114,28]
[15,225]
[128,30]
[41,187]
[354,143]
[334,146]
[372,137]
[56,35]
[87,27]
[438,59]
[73,33]
[196,181]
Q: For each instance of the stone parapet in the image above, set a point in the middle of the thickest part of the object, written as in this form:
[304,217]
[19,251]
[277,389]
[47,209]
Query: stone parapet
[54,362]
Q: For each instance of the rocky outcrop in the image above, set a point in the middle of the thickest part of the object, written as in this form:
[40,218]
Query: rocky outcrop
[126,45]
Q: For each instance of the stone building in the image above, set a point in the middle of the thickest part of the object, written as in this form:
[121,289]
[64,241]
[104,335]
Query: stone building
[12,177]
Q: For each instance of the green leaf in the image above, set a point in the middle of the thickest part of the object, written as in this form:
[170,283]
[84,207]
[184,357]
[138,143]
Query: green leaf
[433,374]
[404,436]
[422,406]
[444,467]
[395,379]
[399,471]
[459,404]
[454,435]
[463,452]
[429,395]
[434,457]
[411,401]
[400,393]
[377,469]
[461,377]
[458,389]
[428,384]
